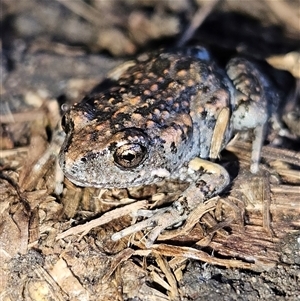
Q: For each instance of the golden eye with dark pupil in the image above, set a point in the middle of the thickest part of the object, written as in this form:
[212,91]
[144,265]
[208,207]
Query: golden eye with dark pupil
[129,155]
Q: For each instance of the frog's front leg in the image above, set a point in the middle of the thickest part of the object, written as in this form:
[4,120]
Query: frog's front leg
[254,102]
[206,180]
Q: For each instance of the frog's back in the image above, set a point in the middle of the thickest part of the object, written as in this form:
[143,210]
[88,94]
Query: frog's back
[160,89]
[173,98]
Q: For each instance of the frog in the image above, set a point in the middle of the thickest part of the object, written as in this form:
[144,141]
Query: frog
[167,115]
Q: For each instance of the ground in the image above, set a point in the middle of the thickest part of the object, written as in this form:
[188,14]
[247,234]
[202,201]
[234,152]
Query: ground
[55,237]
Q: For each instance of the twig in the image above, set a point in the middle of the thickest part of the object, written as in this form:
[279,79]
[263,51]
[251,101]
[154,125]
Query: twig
[86,11]
[104,219]
[286,14]
[267,152]
[198,19]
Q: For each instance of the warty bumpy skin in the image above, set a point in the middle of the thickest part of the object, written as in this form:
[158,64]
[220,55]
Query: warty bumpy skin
[158,112]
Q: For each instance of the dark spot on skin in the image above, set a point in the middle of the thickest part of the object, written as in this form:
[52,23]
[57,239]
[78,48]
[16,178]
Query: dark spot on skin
[211,123]
[132,132]
[184,98]
[189,132]
[183,64]
[103,116]
[117,100]
[153,223]
[161,141]
[121,117]
[160,65]
[166,81]
[200,184]
[144,98]
[177,127]
[91,111]
[112,146]
[173,148]
[213,100]
[74,169]
[205,89]
[89,157]
[137,90]
[144,111]
[203,114]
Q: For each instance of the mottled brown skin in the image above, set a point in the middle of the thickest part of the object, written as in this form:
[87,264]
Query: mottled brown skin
[148,121]
[154,118]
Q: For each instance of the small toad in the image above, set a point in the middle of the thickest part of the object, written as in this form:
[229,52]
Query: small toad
[163,116]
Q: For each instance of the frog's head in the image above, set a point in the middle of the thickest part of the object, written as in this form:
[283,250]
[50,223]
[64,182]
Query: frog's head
[115,162]
[95,155]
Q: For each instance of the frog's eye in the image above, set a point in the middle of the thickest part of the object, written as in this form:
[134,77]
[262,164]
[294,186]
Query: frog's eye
[130,155]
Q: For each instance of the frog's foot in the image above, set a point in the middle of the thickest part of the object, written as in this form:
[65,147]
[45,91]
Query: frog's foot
[254,102]
[158,220]
[207,179]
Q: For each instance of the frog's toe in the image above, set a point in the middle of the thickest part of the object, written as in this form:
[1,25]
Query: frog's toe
[159,221]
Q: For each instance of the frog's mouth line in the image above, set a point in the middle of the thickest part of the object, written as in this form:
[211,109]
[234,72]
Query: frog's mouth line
[109,185]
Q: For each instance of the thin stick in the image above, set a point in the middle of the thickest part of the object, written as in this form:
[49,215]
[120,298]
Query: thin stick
[198,19]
